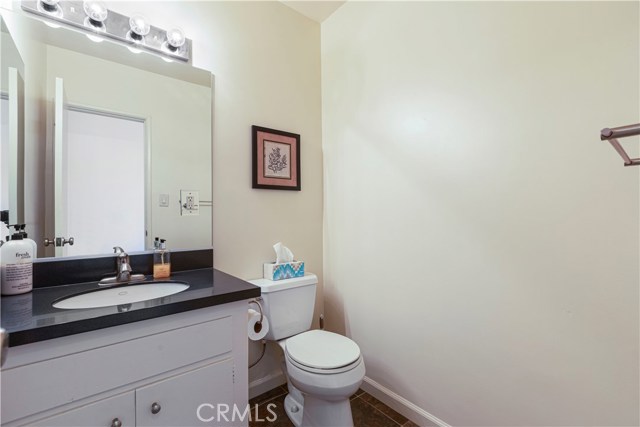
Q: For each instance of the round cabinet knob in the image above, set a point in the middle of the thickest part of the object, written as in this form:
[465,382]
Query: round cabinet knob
[155,408]
[116,423]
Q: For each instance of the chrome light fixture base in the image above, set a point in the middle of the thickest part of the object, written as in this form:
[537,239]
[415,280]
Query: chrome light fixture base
[115,27]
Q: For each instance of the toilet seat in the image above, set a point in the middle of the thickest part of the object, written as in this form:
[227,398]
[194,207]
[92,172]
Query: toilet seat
[322,352]
[324,371]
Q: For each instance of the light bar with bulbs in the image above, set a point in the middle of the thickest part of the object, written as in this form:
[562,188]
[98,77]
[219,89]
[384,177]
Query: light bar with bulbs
[100,23]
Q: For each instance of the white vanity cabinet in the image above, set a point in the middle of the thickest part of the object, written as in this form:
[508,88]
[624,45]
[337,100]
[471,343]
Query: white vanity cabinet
[166,403]
[150,373]
[170,402]
[114,411]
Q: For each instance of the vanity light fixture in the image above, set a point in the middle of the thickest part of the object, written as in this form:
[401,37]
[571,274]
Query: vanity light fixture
[140,27]
[95,39]
[99,23]
[50,7]
[97,13]
[175,39]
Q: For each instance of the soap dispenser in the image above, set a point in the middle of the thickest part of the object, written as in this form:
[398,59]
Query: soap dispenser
[16,265]
[26,238]
[162,261]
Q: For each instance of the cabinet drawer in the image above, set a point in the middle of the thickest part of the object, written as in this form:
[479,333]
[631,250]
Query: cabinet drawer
[174,401]
[41,386]
[98,414]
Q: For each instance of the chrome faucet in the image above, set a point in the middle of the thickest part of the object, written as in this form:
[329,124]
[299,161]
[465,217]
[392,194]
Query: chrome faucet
[123,270]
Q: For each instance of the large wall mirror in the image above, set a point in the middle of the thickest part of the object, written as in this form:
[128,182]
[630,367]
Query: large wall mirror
[11,128]
[120,136]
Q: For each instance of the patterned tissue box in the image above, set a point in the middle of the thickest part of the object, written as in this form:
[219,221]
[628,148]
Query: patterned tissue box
[285,270]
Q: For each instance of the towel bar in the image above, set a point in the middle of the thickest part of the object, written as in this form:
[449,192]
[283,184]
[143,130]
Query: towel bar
[612,135]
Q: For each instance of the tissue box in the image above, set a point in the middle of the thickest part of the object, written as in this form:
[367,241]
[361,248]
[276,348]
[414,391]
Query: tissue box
[285,270]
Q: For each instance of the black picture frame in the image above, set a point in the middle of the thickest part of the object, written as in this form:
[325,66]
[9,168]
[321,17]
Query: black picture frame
[278,171]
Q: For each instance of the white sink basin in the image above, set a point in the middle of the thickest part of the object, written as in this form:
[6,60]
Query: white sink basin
[121,295]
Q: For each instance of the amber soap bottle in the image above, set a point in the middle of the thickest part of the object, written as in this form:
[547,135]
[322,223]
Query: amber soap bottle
[162,261]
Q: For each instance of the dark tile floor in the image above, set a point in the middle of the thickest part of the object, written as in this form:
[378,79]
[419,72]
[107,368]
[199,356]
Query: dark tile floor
[367,411]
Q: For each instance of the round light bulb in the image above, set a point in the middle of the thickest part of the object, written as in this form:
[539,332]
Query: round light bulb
[50,7]
[139,25]
[96,10]
[175,37]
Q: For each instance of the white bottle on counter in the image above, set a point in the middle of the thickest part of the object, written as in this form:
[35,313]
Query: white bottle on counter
[34,252]
[16,266]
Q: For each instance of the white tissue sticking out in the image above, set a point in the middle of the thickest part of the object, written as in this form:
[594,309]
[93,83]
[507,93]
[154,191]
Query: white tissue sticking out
[283,253]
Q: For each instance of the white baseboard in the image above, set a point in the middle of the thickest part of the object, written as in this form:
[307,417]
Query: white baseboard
[401,405]
[264,384]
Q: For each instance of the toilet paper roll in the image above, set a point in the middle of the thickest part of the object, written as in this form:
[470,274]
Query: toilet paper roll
[255,329]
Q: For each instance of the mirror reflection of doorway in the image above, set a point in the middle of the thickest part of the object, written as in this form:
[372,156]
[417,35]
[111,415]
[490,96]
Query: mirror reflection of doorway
[105,178]
[12,148]
[4,153]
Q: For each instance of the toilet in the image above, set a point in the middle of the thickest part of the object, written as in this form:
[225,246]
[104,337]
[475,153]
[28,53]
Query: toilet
[323,369]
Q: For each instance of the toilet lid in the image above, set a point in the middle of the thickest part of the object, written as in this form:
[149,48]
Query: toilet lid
[322,350]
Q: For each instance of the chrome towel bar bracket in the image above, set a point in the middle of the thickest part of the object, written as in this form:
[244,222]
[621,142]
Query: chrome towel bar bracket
[612,135]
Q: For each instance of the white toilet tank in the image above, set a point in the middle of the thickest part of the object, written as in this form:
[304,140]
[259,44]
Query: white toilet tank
[288,304]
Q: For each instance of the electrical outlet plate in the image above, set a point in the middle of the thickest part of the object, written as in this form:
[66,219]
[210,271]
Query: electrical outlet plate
[189,202]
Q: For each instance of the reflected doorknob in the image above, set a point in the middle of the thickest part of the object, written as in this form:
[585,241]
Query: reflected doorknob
[59,241]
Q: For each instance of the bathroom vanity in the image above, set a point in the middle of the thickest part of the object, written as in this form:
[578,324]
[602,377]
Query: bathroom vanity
[149,363]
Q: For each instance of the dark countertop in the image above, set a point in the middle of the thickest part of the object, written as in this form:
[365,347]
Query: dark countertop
[31,317]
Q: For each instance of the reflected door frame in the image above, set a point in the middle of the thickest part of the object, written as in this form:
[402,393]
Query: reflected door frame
[58,166]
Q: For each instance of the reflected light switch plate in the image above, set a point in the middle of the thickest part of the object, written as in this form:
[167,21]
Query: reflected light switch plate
[164,201]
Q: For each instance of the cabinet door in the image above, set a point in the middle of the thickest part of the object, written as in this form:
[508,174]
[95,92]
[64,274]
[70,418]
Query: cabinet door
[175,400]
[116,411]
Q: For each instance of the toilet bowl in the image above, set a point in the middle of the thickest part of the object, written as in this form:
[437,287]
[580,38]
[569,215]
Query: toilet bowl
[323,369]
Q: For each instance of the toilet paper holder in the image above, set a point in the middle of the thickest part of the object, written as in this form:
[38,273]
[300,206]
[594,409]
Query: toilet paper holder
[257,302]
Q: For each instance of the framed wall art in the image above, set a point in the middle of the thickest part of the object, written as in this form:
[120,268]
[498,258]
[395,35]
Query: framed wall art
[276,159]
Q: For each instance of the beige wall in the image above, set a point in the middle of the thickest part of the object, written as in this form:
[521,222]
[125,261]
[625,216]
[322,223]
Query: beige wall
[266,62]
[481,243]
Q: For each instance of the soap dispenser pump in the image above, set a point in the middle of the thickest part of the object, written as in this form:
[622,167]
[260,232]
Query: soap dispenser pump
[26,238]
[162,261]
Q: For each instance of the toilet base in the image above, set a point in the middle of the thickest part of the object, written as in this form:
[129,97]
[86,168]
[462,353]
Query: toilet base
[318,412]
[293,410]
